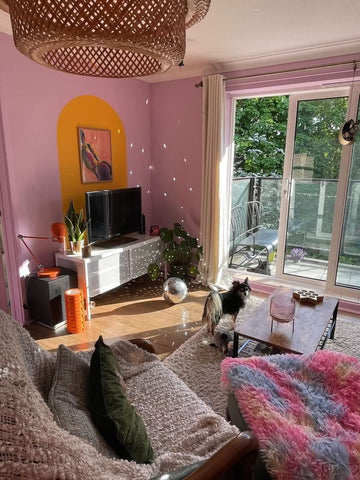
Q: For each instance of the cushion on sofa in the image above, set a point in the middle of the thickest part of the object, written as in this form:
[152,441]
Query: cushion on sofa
[111,411]
[183,429]
[68,399]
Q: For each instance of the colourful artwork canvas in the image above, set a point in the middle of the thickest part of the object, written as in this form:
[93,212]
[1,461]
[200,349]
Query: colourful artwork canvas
[95,155]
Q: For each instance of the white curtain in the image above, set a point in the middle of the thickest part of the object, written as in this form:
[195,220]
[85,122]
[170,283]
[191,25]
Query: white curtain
[216,187]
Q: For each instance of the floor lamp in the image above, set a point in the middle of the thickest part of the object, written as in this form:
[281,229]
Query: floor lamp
[58,231]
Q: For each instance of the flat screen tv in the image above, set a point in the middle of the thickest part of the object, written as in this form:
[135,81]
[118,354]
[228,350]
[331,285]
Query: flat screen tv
[113,213]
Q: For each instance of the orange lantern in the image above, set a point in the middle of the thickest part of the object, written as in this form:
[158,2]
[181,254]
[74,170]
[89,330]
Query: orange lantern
[75,312]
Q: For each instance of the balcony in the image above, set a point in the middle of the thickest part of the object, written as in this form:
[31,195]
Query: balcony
[309,227]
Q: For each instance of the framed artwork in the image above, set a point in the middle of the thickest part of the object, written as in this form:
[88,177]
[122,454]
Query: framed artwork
[95,155]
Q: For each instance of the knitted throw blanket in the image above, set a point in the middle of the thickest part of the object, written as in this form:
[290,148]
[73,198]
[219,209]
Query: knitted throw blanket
[182,429]
[305,411]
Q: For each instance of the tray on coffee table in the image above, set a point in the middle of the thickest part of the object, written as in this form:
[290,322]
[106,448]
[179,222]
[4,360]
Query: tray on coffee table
[313,325]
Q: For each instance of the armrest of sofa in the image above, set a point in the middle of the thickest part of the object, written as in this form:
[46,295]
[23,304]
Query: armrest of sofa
[237,457]
[235,460]
[235,417]
[143,343]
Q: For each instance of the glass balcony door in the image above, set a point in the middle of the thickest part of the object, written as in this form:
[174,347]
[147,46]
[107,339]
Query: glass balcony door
[319,215]
[344,273]
[311,193]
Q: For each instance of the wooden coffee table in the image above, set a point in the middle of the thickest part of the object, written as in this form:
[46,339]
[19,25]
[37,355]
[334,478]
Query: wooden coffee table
[314,324]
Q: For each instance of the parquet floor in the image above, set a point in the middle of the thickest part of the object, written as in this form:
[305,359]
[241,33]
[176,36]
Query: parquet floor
[136,309]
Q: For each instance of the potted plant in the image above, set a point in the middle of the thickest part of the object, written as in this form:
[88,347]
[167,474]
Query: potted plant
[76,227]
[181,252]
[297,254]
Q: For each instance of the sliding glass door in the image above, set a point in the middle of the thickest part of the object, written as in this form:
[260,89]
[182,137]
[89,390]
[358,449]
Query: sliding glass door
[348,262]
[313,166]
[320,207]
[307,186]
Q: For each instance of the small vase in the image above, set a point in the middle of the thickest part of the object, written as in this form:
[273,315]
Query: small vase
[282,309]
[76,247]
[86,251]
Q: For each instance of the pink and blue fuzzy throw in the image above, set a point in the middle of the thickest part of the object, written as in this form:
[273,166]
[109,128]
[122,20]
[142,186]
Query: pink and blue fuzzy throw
[305,411]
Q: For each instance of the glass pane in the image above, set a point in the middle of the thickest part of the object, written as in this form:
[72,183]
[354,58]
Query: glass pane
[259,138]
[315,169]
[348,272]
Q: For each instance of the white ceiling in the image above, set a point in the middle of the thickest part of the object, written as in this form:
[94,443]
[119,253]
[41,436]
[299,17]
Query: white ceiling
[239,34]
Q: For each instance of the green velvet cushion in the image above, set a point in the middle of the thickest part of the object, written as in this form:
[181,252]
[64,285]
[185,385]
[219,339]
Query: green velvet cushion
[111,411]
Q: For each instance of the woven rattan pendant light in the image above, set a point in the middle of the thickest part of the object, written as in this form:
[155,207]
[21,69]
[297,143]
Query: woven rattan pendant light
[104,38]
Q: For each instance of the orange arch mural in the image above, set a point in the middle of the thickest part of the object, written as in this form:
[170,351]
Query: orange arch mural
[86,125]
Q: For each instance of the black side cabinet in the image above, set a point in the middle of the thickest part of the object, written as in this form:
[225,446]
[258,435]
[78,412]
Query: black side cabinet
[45,297]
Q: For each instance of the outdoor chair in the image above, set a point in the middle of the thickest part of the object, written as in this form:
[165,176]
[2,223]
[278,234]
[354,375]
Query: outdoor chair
[248,237]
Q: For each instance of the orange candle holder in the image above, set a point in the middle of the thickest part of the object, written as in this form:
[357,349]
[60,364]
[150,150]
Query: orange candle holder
[75,312]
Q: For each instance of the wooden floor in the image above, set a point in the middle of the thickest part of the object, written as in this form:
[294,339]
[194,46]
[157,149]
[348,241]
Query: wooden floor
[136,309]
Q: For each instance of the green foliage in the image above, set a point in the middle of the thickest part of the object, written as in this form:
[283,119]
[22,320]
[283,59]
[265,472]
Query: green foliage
[260,135]
[349,260]
[153,271]
[318,125]
[180,249]
[75,223]
[355,164]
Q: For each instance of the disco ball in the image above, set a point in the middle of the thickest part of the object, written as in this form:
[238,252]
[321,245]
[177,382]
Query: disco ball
[175,290]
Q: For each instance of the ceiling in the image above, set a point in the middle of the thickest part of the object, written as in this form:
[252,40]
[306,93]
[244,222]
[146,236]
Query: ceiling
[238,34]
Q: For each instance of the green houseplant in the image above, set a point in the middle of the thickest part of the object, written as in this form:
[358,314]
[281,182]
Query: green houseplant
[181,252]
[76,226]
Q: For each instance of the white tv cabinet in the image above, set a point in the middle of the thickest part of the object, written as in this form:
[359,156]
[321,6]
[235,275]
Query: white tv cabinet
[111,264]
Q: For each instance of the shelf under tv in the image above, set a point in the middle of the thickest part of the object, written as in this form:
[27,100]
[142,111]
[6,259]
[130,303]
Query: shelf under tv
[111,266]
[114,242]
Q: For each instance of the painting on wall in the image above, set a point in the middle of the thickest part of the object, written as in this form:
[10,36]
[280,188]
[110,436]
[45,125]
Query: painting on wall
[95,155]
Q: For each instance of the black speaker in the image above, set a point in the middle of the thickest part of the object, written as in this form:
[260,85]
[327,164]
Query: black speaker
[143,226]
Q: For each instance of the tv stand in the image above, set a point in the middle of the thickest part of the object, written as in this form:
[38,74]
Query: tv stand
[113,242]
[111,266]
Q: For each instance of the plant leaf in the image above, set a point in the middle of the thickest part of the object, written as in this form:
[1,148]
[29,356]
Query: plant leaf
[179,231]
[184,247]
[172,245]
[166,235]
[153,271]
[169,255]
[75,223]
[193,269]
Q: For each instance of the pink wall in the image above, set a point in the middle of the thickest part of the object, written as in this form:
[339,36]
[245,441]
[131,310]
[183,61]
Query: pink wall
[32,98]
[176,132]
[163,125]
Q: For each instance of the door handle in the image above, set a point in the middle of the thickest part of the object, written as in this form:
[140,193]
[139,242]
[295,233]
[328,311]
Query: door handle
[286,190]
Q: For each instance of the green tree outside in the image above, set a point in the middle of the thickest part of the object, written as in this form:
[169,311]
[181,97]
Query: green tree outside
[260,138]
[260,135]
